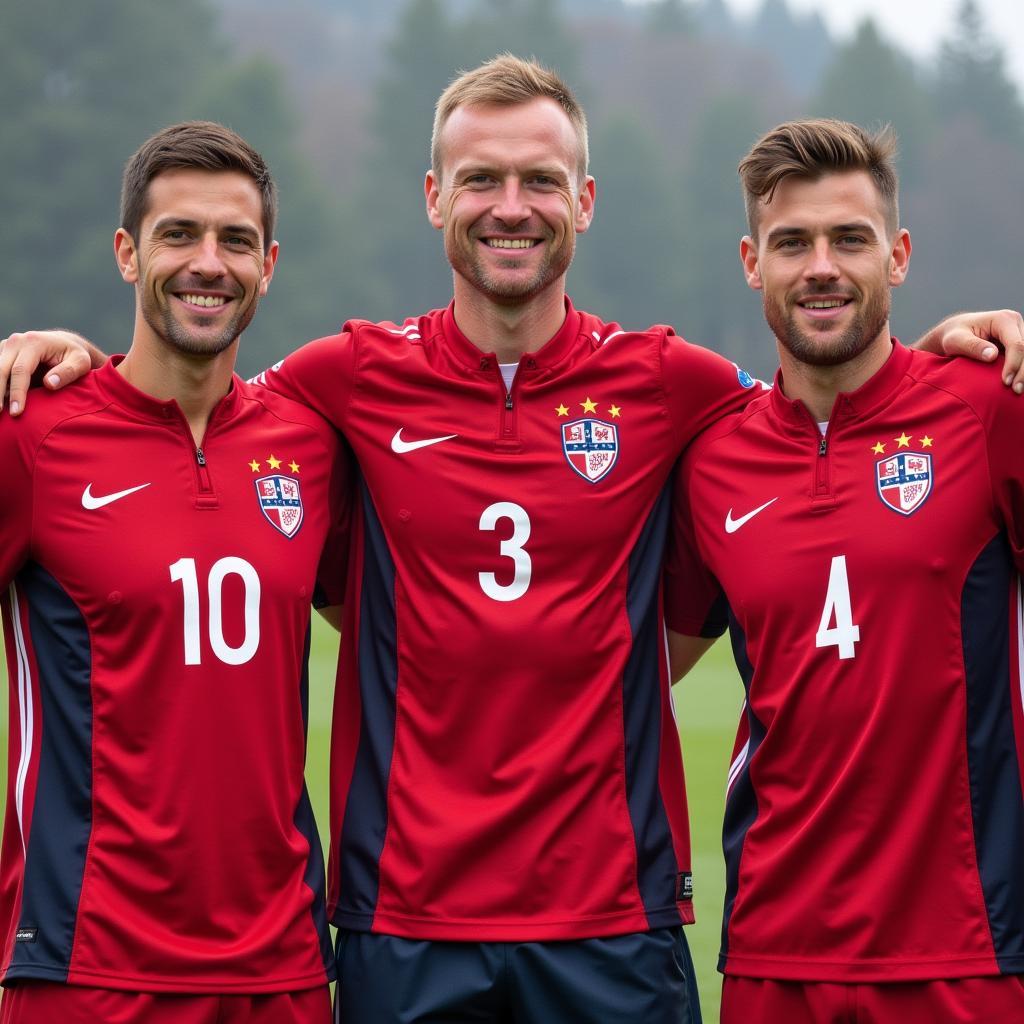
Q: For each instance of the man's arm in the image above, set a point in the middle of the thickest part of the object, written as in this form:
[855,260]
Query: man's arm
[684,652]
[67,356]
[973,334]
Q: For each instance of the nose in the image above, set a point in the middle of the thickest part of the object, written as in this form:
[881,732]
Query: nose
[206,257]
[511,205]
[821,266]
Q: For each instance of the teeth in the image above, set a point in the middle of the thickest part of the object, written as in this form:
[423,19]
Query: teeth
[824,303]
[511,243]
[204,300]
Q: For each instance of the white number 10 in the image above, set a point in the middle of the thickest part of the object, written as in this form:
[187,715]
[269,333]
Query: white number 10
[184,571]
[844,634]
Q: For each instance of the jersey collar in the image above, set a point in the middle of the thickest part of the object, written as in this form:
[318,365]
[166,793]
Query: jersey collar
[850,404]
[550,354]
[131,398]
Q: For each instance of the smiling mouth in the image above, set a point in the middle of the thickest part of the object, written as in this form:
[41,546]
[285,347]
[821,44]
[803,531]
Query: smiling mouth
[511,243]
[203,301]
[823,303]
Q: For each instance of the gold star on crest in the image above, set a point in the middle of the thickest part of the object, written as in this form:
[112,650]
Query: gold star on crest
[926,441]
[562,410]
[614,411]
[293,466]
[902,441]
[588,405]
[879,448]
[274,463]
[254,466]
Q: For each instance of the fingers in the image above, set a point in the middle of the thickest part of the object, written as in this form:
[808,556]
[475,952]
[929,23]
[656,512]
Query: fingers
[1007,327]
[22,354]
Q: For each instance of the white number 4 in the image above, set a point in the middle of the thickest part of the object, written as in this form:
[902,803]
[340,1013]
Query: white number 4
[844,634]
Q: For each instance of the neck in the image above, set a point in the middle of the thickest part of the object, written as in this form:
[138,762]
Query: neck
[818,386]
[196,383]
[509,331]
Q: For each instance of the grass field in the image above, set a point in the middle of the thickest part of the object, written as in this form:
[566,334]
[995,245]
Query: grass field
[707,704]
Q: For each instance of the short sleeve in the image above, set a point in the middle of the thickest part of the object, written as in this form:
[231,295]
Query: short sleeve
[17,448]
[694,602]
[319,375]
[701,387]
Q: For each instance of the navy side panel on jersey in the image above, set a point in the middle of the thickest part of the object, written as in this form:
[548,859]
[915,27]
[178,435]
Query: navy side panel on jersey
[741,802]
[987,602]
[641,691]
[62,811]
[365,822]
[305,822]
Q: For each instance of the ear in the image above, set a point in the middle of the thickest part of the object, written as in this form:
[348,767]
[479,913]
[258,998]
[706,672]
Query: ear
[748,257]
[432,192]
[899,259]
[269,262]
[126,256]
[585,205]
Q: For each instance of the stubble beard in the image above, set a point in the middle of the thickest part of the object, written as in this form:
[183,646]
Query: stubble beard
[866,325]
[173,332]
[509,291]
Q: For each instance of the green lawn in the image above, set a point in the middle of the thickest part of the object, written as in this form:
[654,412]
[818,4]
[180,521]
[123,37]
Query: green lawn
[706,704]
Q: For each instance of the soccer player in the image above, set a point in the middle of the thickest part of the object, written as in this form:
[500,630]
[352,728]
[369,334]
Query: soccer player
[863,521]
[164,528]
[509,834]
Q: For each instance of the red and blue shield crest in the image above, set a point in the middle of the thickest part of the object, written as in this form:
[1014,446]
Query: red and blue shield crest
[591,447]
[281,502]
[904,481]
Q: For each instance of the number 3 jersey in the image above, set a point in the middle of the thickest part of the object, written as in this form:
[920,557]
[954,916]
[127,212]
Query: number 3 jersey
[158,835]
[874,827]
[505,761]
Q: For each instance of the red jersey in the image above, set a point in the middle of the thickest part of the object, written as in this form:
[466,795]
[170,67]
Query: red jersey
[158,835]
[874,824]
[505,764]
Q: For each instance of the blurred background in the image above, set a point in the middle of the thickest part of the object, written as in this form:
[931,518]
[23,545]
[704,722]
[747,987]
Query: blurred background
[338,95]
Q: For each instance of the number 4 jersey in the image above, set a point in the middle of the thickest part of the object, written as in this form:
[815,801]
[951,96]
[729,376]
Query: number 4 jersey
[158,835]
[874,827]
[505,761]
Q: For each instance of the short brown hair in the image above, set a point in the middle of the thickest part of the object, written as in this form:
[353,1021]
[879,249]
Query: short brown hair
[813,148]
[199,145]
[507,81]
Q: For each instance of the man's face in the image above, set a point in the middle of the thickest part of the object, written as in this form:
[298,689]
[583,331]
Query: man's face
[825,262]
[198,265]
[510,200]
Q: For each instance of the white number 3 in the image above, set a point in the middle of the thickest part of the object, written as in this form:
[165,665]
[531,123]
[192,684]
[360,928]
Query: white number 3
[844,634]
[511,548]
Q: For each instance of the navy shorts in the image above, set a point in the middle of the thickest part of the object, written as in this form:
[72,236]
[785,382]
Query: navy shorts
[646,977]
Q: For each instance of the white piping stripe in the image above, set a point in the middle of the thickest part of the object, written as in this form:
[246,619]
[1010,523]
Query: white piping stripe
[25,715]
[671,688]
[736,767]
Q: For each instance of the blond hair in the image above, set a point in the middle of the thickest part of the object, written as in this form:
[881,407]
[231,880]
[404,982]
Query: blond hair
[507,81]
[811,149]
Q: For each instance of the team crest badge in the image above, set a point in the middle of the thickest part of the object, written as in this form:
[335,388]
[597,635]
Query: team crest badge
[591,447]
[904,481]
[281,502]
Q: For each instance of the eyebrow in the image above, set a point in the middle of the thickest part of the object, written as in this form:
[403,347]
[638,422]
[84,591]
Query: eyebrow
[183,222]
[857,227]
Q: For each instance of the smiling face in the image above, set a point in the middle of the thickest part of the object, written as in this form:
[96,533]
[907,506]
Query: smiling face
[825,262]
[199,265]
[510,198]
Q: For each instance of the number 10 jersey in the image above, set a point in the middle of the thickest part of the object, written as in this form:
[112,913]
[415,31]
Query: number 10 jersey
[158,835]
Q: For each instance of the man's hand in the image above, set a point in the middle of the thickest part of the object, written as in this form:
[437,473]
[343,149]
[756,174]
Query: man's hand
[973,334]
[65,355]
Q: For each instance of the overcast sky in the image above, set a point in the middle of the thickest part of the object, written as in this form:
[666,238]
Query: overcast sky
[918,25]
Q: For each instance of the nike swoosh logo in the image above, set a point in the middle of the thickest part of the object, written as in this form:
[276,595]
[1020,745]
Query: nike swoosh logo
[732,525]
[400,446]
[89,500]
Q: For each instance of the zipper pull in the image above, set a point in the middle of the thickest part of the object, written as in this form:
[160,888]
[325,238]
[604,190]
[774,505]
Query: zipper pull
[823,446]
[508,400]
[200,457]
